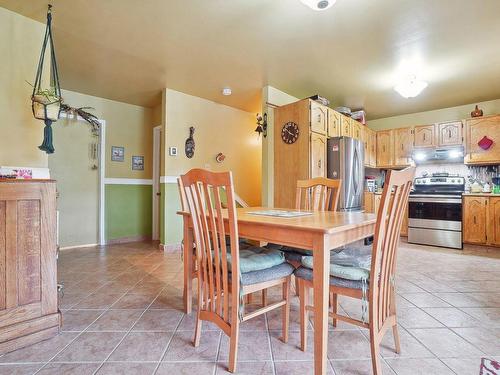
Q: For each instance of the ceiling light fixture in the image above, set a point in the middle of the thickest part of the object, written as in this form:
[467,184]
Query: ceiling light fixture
[226,91]
[318,4]
[411,87]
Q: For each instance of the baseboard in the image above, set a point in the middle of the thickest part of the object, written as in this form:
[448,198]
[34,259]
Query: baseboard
[128,239]
[78,246]
[170,247]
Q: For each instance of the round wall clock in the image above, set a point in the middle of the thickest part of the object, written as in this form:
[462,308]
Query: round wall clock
[290,132]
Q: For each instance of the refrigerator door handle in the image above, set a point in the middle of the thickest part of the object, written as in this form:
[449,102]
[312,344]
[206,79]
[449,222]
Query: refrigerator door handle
[356,170]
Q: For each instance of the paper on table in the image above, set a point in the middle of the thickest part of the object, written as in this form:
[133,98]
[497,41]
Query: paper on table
[280,213]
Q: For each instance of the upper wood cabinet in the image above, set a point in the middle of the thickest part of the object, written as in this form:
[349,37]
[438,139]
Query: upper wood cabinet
[477,129]
[318,155]
[356,129]
[345,126]
[385,148]
[474,219]
[425,136]
[333,123]
[319,118]
[372,144]
[403,146]
[450,133]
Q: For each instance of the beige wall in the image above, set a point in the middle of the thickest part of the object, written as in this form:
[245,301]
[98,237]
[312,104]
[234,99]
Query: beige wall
[20,134]
[270,97]
[429,117]
[127,125]
[218,128]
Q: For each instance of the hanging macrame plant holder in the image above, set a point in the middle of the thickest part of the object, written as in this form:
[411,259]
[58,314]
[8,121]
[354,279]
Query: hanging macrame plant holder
[46,104]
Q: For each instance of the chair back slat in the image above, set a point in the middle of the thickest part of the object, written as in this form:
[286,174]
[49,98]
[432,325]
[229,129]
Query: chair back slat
[386,240]
[203,190]
[317,194]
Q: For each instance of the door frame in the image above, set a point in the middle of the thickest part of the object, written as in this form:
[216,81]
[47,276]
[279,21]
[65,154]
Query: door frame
[101,235]
[156,191]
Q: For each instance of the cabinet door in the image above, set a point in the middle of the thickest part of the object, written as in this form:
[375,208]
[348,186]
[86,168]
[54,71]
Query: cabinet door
[373,148]
[494,221]
[345,126]
[365,138]
[477,129]
[384,148]
[333,123]
[369,202]
[356,128]
[403,141]
[318,155]
[319,118]
[450,133]
[425,136]
[474,219]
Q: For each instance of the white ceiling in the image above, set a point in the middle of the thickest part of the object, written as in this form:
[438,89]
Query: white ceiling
[353,53]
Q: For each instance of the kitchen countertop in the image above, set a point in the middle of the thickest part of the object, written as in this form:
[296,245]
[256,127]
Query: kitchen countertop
[480,195]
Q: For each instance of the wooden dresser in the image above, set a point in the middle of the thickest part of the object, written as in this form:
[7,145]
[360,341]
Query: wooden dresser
[28,273]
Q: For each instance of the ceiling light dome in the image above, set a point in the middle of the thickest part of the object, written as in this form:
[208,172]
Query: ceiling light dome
[411,87]
[318,4]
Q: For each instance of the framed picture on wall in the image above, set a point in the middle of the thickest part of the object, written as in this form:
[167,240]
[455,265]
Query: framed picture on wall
[117,153]
[137,163]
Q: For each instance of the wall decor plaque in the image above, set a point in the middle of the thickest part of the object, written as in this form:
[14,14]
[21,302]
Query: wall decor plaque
[117,153]
[137,163]
[190,145]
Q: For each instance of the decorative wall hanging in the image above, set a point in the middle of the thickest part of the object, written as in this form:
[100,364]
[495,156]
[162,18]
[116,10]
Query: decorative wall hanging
[189,147]
[485,143]
[93,120]
[476,112]
[219,158]
[290,132]
[137,163]
[117,153]
[261,125]
[46,103]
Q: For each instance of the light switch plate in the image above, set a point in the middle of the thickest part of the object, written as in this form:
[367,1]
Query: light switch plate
[172,151]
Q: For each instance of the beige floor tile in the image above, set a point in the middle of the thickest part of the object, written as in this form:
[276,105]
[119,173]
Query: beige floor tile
[134,301]
[98,300]
[424,300]
[410,347]
[69,369]
[358,367]
[485,339]
[186,368]
[89,347]
[159,320]
[116,320]
[348,345]
[421,366]
[460,299]
[252,346]
[298,368]
[141,347]
[486,299]
[291,350]
[445,343]
[19,369]
[247,368]
[489,316]
[181,347]
[416,318]
[128,368]
[464,366]
[78,320]
[452,317]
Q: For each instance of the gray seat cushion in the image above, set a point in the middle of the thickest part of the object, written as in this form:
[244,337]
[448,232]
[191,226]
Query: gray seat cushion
[256,258]
[307,274]
[273,273]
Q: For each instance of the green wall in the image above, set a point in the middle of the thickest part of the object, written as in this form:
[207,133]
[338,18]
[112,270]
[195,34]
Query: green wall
[128,211]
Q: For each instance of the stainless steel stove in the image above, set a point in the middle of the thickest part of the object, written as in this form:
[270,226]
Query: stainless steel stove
[435,210]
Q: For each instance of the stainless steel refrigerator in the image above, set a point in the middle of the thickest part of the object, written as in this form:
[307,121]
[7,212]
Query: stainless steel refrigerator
[346,162]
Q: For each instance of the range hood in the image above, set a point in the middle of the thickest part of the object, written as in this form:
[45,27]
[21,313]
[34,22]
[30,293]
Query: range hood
[439,155]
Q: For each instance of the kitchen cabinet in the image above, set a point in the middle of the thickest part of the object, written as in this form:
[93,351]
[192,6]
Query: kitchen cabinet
[318,155]
[425,136]
[356,129]
[369,202]
[403,146]
[372,147]
[376,205]
[450,133]
[493,231]
[319,118]
[333,123]
[474,219]
[385,148]
[476,129]
[345,126]
[28,272]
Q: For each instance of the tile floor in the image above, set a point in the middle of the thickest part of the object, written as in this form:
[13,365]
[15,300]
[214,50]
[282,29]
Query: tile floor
[122,315]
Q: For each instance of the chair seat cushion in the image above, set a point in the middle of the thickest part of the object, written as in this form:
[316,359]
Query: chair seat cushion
[307,274]
[277,272]
[256,258]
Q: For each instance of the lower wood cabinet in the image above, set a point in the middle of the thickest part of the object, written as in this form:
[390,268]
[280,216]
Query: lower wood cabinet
[28,274]
[481,220]
[372,204]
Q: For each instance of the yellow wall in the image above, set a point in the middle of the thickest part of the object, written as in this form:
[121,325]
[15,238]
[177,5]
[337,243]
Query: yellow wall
[127,125]
[218,128]
[491,107]
[20,134]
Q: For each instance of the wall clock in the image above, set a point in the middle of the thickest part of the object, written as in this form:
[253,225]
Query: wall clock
[290,132]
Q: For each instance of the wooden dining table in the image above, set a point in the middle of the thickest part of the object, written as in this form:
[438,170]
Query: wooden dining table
[318,231]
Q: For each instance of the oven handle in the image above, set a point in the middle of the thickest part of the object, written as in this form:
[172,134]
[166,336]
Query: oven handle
[435,200]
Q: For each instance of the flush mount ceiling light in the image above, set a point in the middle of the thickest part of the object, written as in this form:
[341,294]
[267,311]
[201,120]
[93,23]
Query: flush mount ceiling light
[318,4]
[410,87]
[226,91]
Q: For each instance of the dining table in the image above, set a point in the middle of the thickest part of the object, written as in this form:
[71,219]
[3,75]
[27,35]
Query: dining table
[318,231]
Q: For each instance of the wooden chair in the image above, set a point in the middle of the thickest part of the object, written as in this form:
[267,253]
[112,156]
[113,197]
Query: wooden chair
[381,296]
[317,194]
[220,291]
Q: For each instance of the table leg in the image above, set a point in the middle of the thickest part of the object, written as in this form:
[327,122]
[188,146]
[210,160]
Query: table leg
[188,268]
[321,278]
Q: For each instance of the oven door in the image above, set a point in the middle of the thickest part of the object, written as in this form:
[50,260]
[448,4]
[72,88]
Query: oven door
[436,212]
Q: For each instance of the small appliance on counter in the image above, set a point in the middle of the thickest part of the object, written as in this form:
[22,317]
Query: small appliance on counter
[496,185]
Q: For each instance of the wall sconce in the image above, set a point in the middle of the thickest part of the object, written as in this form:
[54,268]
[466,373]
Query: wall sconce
[261,125]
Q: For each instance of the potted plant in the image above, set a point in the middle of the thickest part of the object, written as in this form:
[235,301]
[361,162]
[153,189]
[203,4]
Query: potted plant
[46,104]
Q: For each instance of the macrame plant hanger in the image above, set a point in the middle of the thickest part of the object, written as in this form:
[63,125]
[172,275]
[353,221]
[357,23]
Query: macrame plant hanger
[46,104]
